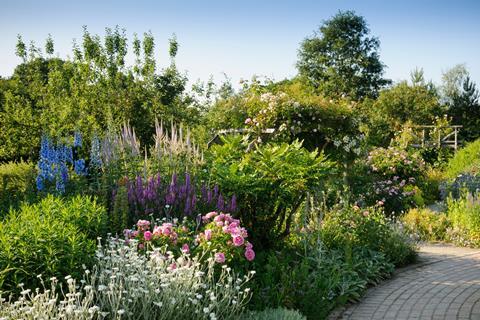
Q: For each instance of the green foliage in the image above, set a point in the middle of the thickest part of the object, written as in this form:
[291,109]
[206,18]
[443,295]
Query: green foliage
[270,182]
[465,111]
[307,276]
[294,111]
[17,184]
[274,314]
[426,224]
[464,214]
[341,59]
[90,92]
[402,103]
[352,227]
[466,160]
[54,238]
[119,217]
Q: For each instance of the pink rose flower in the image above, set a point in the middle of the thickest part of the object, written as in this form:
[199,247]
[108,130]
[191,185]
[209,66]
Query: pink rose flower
[166,231]
[366,213]
[157,231]
[248,245]
[143,224]
[248,121]
[249,254]
[147,235]
[238,240]
[219,257]
[209,215]
[185,248]
[208,234]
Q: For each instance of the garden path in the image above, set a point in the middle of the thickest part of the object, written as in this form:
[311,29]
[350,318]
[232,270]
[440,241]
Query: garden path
[444,284]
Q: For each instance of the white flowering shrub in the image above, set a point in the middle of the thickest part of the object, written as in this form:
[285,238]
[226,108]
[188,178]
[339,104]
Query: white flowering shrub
[51,303]
[128,284]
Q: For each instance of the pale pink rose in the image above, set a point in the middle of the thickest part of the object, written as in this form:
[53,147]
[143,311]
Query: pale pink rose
[143,224]
[238,240]
[249,254]
[366,213]
[157,231]
[219,257]
[219,223]
[173,266]
[208,234]
[166,231]
[248,121]
[185,248]
[147,235]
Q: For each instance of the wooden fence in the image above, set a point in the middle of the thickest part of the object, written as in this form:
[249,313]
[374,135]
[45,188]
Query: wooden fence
[436,137]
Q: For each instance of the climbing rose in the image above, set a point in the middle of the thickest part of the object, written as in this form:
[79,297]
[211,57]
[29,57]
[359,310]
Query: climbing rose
[185,248]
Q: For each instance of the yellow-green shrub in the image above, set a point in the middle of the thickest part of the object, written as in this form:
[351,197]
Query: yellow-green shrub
[17,184]
[426,224]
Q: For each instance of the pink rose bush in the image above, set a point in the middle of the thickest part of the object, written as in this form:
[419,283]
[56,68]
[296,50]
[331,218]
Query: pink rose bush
[219,235]
[224,235]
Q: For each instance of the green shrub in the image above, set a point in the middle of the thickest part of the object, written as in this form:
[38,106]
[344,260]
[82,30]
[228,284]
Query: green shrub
[54,238]
[17,184]
[270,182]
[464,214]
[352,227]
[274,314]
[426,224]
[466,160]
[314,279]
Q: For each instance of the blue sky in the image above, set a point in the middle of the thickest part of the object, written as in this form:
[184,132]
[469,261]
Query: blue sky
[243,38]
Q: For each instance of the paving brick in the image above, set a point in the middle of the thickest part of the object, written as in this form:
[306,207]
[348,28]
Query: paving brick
[445,286]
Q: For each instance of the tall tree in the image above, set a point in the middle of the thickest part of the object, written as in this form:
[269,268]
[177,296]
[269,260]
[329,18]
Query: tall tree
[465,110]
[341,59]
[452,81]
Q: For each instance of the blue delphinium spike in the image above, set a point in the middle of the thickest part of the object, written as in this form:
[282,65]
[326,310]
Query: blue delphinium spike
[79,167]
[77,139]
[95,156]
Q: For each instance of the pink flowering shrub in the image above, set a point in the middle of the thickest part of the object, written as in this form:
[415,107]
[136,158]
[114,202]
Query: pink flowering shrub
[224,235]
[397,175]
[219,235]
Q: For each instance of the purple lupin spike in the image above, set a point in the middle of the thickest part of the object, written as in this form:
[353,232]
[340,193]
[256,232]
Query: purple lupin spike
[220,203]
[233,204]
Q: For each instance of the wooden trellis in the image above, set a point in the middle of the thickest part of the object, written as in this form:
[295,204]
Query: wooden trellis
[436,137]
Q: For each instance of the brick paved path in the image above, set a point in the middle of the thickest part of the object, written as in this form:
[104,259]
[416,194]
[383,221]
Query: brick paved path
[445,284]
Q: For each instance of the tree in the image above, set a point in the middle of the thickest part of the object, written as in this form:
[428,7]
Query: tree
[452,81]
[92,92]
[415,103]
[465,110]
[341,59]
